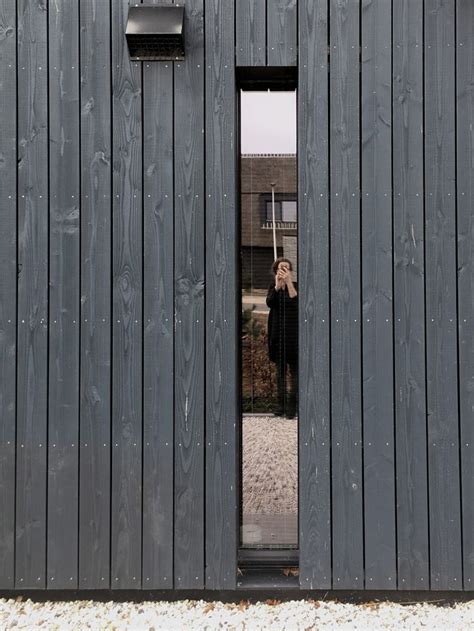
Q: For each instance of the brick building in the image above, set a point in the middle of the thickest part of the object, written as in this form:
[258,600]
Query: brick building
[258,172]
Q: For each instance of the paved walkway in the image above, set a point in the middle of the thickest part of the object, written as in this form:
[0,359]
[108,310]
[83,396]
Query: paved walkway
[254,299]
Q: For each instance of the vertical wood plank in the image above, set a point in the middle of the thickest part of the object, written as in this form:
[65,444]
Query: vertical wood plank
[174,260]
[441,312]
[251,31]
[313,246]
[377,296]
[64,284]
[189,305]
[8,241]
[32,353]
[409,303]
[222,467]
[347,517]
[465,266]
[126,508]
[281,33]
[158,368]
[95,361]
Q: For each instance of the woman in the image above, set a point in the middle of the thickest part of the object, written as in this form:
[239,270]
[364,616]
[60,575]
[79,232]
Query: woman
[282,298]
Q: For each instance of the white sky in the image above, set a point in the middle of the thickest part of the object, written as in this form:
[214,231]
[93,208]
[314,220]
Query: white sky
[268,122]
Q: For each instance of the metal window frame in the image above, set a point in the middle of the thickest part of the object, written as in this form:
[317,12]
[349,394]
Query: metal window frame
[279,197]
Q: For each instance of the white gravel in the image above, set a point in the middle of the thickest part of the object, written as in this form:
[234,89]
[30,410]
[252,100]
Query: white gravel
[199,614]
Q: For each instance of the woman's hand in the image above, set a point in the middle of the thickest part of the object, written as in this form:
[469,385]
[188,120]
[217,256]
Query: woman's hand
[288,281]
[279,282]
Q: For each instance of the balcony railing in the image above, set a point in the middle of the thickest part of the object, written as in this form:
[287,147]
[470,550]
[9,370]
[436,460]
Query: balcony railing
[280,225]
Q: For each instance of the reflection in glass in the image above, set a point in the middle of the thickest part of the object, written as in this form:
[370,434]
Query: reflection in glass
[282,300]
[268,184]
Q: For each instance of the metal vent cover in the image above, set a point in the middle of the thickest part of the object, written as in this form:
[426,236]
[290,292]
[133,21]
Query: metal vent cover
[155,32]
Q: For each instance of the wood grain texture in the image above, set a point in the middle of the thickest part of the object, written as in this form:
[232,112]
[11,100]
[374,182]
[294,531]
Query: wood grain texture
[106,318]
[189,305]
[251,31]
[8,241]
[64,292]
[465,267]
[126,508]
[32,353]
[96,275]
[281,32]
[222,467]
[377,296]
[441,311]
[409,303]
[347,491]
[314,327]
[158,367]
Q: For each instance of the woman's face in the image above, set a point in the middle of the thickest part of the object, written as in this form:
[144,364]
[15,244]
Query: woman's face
[284,266]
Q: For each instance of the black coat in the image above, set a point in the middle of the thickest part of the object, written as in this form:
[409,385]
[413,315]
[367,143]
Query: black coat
[282,324]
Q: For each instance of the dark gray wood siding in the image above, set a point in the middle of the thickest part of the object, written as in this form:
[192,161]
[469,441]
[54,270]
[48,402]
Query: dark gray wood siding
[32,350]
[8,282]
[377,295]
[64,294]
[127,309]
[222,300]
[409,297]
[465,268]
[158,322]
[266,32]
[96,308]
[119,410]
[400,238]
[345,292]
[441,290]
[314,466]
[189,322]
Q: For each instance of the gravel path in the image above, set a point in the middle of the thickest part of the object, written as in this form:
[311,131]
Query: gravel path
[269,465]
[270,487]
[198,614]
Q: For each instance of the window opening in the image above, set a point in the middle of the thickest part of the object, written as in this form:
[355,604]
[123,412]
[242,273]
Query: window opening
[269,318]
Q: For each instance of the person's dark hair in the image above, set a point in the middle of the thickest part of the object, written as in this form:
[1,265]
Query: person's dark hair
[280,260]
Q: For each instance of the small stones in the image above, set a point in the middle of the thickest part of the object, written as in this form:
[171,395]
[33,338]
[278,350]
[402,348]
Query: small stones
[200,614]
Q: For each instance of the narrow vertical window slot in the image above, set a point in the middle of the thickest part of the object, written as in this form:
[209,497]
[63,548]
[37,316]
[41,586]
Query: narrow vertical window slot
[269,318]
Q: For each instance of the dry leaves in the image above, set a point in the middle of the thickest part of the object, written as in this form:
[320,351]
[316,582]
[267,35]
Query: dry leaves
[291,571]
[371,604]
[272,601]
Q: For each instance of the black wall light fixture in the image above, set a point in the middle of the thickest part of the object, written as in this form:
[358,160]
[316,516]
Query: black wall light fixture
[155,32]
